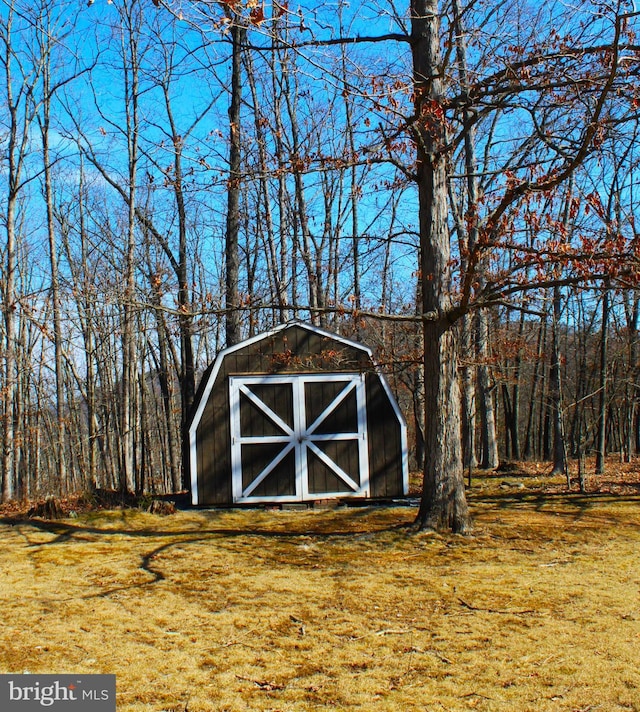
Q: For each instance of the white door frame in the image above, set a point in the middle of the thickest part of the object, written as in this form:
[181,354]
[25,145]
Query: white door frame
[301,438]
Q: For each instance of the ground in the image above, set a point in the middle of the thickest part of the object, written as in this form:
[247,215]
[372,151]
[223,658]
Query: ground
[539,609]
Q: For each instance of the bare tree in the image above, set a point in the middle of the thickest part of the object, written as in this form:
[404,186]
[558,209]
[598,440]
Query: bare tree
[20,79]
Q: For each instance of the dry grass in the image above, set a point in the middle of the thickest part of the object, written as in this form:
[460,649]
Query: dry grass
[311,610]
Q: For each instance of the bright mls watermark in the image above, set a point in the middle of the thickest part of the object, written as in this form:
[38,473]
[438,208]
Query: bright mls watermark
[58,693]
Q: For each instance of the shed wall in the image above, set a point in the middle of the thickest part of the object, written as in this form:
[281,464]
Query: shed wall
[385,442]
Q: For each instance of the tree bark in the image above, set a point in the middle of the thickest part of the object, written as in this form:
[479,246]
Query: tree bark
[443,504]
[232,258]
[302,228]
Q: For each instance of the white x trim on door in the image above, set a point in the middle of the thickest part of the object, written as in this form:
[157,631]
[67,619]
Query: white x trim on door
[298,436]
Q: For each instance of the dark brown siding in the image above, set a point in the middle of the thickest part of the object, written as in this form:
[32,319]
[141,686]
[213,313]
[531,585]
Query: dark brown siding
[214,449]
[296,350]
[385,442]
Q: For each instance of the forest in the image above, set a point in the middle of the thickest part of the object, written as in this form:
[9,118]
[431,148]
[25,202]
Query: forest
[451,183]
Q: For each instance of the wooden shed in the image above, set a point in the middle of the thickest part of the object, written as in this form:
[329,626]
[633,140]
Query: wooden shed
[295,414]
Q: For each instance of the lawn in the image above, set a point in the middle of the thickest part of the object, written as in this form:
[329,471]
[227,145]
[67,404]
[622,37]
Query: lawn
[539,609]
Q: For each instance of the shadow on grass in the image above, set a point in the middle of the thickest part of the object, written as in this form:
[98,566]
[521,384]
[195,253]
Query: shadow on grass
[567,506]
[561,503]
[65,531]
[571,507]
[538,498]
[68,533]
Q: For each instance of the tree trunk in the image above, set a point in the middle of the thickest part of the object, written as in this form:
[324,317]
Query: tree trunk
[277,269]
[515,400]
[81,275]
[555,377]
[232,258]
[129,391]
[288,251]
[15,150]
[443,504]
[187,374]
[354,194]
[9,366]
[469,239]
[602,403]
[530,437]
[555,388]
[490,457]
[302,229]
[468,395]
[162,366]
[632,313]
[55,283]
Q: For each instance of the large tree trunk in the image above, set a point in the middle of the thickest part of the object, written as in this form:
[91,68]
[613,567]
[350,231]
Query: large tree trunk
[443,503]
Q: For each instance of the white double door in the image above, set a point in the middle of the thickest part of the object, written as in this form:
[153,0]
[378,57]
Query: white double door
[298,437]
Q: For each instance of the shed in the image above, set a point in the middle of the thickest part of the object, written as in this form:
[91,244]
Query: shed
[295,414]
